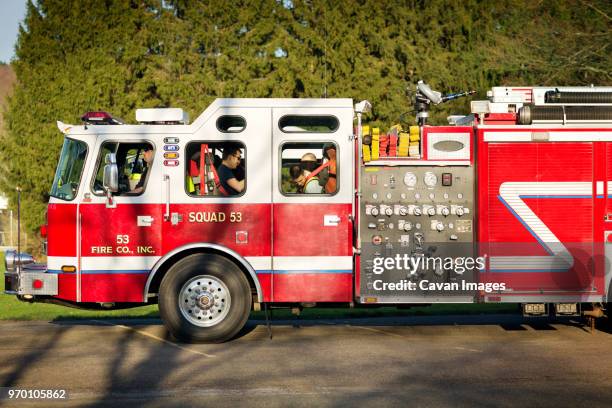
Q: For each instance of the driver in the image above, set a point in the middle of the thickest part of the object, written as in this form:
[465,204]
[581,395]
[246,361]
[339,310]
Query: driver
[148,159]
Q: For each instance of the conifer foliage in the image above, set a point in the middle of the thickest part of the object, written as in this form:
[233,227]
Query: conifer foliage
[119,55]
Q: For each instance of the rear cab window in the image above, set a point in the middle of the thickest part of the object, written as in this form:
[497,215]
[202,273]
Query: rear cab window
[215,169]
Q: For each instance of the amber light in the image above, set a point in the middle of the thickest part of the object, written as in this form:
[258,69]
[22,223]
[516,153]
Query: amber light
[68,269]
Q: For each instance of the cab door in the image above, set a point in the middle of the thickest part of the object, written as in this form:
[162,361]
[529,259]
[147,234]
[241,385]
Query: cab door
[120,245]
[312,259]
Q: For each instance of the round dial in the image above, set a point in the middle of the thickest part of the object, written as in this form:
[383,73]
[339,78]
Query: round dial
[375,212]
[410,179]
[430,179]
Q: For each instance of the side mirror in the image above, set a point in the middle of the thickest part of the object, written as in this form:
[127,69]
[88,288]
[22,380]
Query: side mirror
[110,179]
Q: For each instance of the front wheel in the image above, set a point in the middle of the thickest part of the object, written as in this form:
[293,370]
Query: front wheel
[204,298]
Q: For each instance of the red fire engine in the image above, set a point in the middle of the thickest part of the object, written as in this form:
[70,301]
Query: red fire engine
[291,202]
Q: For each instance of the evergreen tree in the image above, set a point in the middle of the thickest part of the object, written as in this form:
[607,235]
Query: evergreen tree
[119,55]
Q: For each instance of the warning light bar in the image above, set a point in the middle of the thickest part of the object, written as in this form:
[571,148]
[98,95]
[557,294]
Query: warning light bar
[100,118]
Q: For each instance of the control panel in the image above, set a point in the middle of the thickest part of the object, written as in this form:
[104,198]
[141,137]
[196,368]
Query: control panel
[417,231]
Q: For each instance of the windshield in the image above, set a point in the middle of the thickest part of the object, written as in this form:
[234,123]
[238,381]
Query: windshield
[69,169]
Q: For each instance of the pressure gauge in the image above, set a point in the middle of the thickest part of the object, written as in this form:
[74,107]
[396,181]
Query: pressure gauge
[410,179]
[430,179]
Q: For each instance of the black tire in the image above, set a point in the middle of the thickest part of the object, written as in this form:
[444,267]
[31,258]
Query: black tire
[183,273]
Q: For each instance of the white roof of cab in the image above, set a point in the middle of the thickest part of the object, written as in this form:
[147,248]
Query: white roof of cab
[222,103]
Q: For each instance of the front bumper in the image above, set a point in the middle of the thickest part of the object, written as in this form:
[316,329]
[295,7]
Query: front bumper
[30,280]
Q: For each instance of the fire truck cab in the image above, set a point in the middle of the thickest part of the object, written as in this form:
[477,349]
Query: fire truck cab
[121,229]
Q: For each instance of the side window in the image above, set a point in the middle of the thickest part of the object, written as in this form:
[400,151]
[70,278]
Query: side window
[309,168]
[215,169]
[308,124]
[133,161]
[231,124]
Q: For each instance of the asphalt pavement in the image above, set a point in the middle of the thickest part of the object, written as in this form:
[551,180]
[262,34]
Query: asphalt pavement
[472,361]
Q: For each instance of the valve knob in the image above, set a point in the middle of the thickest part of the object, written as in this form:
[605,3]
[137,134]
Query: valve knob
[407,226]
[389,211]
[431,211]
[440,226]
[445,211]
[459,212]
[375,212]
[403,211]
[418,211]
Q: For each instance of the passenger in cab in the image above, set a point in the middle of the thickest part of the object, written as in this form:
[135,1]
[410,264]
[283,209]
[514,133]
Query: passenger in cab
[329,152]
[227,176]
[308,182]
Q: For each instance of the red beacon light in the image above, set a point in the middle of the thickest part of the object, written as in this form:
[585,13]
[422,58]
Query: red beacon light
[100,118]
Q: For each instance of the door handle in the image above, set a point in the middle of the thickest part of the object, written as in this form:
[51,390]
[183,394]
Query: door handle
[331,220]
[167,182]
[144,220]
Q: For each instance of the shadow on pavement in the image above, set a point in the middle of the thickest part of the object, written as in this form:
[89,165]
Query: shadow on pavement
[505,321]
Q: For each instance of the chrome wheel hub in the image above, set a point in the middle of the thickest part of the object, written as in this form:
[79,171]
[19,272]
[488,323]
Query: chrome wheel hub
[204,300]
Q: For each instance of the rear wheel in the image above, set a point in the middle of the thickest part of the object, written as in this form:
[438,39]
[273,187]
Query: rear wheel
[204,298]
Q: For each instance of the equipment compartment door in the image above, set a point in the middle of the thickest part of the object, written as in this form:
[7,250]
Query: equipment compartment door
[603,221]
[536,217]
[312,226]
